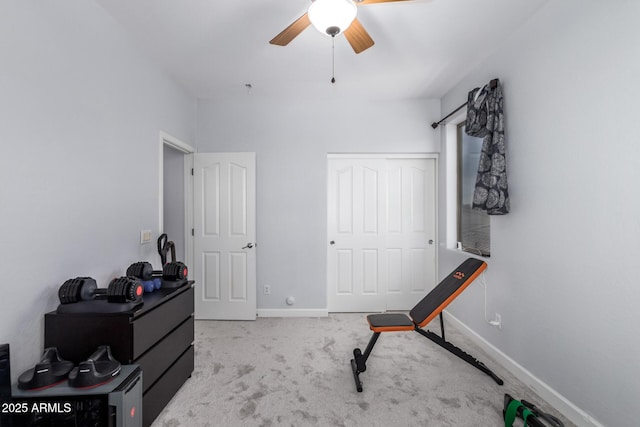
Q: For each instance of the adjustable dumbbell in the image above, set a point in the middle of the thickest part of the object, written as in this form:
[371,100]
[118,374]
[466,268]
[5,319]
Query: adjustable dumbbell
[143,271]
[174,271]
[150,278]
[120,290]
[173,274]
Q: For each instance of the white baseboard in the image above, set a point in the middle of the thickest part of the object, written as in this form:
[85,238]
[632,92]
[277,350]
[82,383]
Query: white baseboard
[293,312]
[551,396]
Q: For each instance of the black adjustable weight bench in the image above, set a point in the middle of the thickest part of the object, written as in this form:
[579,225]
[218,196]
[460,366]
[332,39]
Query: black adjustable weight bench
[423,313]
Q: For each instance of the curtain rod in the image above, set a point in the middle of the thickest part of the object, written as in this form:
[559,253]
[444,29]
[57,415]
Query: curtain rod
[493,84]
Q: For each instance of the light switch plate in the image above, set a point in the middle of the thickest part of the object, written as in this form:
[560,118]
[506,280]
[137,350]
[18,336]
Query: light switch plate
[145,236]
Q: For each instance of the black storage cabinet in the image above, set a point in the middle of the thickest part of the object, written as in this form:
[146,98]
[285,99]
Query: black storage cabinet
[158,337]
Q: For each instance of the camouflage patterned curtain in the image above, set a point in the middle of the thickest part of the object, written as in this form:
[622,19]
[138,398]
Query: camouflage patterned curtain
[485,119]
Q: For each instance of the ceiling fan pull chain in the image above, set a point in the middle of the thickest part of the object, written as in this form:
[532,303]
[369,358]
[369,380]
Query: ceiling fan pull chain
[333,59]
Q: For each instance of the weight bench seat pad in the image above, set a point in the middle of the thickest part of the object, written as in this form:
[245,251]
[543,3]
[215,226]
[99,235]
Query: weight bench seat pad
[433,304]
[390,322]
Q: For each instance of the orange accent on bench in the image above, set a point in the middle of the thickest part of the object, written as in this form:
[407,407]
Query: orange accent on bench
[391,328]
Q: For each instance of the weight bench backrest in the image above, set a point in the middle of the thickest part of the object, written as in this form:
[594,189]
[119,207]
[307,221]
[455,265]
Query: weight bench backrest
[446,291]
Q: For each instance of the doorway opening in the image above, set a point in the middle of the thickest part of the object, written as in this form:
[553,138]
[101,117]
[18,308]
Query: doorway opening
[174,190]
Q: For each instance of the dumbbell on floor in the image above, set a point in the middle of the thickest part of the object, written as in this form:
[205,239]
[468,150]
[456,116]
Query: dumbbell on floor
[120,290]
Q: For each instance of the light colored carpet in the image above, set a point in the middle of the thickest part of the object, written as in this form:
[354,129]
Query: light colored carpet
[296,372]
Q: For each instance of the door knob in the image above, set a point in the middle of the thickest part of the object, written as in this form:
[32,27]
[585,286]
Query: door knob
[249,246]
[430,242]
[332,242]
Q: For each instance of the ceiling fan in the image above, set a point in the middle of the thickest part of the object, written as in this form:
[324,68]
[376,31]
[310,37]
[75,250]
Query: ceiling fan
[332,17]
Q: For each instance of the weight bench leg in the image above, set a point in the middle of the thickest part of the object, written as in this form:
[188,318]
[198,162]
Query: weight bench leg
[460,353]
[359,361]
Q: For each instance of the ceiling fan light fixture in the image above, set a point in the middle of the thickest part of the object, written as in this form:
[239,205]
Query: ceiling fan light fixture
[332,17]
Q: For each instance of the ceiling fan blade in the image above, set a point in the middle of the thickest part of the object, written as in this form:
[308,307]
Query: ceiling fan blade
[292,31]
[358,37]
[358,3]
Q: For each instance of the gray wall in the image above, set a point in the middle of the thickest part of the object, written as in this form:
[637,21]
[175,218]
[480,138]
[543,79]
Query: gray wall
[291,141]
[80,116]
[562,263]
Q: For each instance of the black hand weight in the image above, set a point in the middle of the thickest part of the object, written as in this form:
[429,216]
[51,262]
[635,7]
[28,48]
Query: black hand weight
[78,289]
[120,290]
[174,271]
[143,270]
[125,289]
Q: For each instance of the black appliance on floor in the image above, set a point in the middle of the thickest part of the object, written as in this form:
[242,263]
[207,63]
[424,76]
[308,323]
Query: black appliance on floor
[117,403]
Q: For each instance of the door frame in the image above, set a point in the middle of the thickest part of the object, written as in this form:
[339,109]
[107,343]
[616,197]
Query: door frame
[173,142]
[434,156]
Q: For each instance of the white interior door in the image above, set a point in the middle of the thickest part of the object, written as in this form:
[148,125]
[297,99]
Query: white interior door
[381,233]
[224,235]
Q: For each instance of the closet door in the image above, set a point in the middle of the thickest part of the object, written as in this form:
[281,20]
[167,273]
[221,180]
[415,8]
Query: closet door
[381,232]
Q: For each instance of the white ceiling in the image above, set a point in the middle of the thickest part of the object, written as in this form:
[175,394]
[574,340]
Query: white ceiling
[215,47]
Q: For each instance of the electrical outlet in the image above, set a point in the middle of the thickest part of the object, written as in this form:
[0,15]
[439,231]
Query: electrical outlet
[267,290]
[497,321]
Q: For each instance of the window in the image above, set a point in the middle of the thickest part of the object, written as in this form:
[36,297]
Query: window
[473,226]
